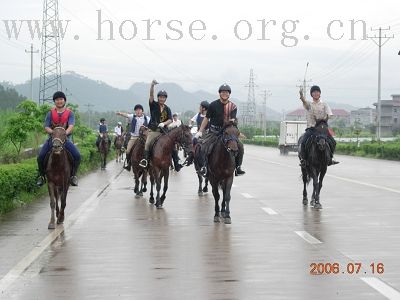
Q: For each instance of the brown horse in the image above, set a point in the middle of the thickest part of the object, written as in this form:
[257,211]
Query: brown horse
[221,167]
[161,159]
[104,148]
[137,154]
[58,172]
[118,143]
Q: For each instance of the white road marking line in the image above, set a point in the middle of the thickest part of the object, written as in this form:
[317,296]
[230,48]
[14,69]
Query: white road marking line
[269,211]
[24,263]
[308,237]
[382,287]
[334,176]
[248,196]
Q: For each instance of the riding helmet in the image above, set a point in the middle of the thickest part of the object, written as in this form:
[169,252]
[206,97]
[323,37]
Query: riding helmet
[225,88]
[162,93]
[102,120]
[138,106]
[59,94]
[315,88]
[205,104]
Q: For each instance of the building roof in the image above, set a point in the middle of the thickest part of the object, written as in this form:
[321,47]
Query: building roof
[297,113]
[340,113]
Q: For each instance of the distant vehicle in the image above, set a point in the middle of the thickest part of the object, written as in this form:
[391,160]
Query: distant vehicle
[289,136]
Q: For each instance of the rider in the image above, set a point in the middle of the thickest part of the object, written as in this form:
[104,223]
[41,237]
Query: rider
[102,129]
[198,118]
[59,116]
[160,117]
[218,111]
[136,120]
[175,156]
[315,110]
[118,131]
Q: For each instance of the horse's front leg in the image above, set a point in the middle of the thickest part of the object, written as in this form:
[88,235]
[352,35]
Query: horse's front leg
[157,178]
[321,178]
[63,198]
[216,198]
[166,177]
[200,191]
[51,189]
[136,176]
[205,188]
[152,182]
[304,177]
[227,199]
[144,182]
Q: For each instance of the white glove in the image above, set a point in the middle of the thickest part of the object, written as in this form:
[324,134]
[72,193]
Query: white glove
[198,134]
[161,125]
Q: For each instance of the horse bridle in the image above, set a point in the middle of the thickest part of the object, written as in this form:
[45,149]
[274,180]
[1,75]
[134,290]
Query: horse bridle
[226,140]
[61,142]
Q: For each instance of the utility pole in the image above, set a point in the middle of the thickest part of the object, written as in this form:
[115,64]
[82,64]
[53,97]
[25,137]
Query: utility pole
[378,41]
[31,52]
[89,110]
[266,93]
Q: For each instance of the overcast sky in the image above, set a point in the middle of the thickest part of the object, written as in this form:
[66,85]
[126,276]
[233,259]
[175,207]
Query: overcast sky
[345,69]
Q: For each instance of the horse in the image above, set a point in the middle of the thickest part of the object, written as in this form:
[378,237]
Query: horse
[58,172]
[118,143]
[161,159]
[221,167]
[103,148]
[317,159]
[201,190]
[137,153]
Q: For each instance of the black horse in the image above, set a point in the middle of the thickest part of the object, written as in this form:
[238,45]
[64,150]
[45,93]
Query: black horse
[318,153]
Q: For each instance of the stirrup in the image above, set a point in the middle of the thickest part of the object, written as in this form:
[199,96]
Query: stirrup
[41,180]
[73,180]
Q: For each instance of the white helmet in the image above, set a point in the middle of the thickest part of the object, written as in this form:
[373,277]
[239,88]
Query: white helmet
[119,123]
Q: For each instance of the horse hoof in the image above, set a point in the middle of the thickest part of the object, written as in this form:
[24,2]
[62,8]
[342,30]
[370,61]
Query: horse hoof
[144,190]
[216,219]
[51,226]
[205,190]
[318,205]
[222,214]
[141,194]
[200,193]
[228,220]
[60,221]
[151,201]
[312,203]
[305,201]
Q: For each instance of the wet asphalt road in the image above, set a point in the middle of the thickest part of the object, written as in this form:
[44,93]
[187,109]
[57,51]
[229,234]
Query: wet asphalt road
[116,246]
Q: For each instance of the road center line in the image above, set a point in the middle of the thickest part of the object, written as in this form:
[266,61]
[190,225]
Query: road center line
[382,287]
[308,237]
[269,211]
[248,196]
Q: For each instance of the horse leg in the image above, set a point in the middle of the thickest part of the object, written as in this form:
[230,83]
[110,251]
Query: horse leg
[158,188]
[304,176]
[166,177]
[205,188]
[51,189]
[63,196]
[200,191]
[216,198]
[315,188]
[321,178]
[227,199]
[151,200]
[144,181]
[136,175]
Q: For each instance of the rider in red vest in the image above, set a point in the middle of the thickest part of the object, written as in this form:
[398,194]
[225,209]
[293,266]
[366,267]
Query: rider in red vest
[59,116]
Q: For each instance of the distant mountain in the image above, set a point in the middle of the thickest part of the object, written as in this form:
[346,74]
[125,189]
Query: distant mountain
[9,97]
[346,107]
[82,90]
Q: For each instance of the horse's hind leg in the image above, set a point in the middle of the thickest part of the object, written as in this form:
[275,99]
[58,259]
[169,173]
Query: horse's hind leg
[227,199]
[51,188]
[144,181]
[200,191]
[166,176]
[205,188]
[317,202]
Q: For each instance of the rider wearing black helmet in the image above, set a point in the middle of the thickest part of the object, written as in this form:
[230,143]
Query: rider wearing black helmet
[198,118]
[315,110]
[161,117]
[219,111]
[136,120]
[59,116]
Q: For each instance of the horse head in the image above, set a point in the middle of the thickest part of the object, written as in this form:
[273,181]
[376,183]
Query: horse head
[143,132]
[58,138]
[230,135]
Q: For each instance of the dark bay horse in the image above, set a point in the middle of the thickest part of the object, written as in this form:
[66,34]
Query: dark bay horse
[317,159]
[161,159]
[201,190]
[221,167]
[58,172]
[103,149]
[137,154]
[118,143]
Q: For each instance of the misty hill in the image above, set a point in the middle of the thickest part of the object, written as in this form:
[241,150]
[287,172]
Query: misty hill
[9,97]
[82,90]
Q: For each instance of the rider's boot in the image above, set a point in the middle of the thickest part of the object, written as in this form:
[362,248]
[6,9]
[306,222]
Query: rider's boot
[239,171]
[177,165]
[332,161]
[145,161]
[41,179]
[239,160]
[74,180]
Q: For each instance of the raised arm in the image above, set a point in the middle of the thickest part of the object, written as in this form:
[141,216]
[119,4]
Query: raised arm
[151,98]
[122,114]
